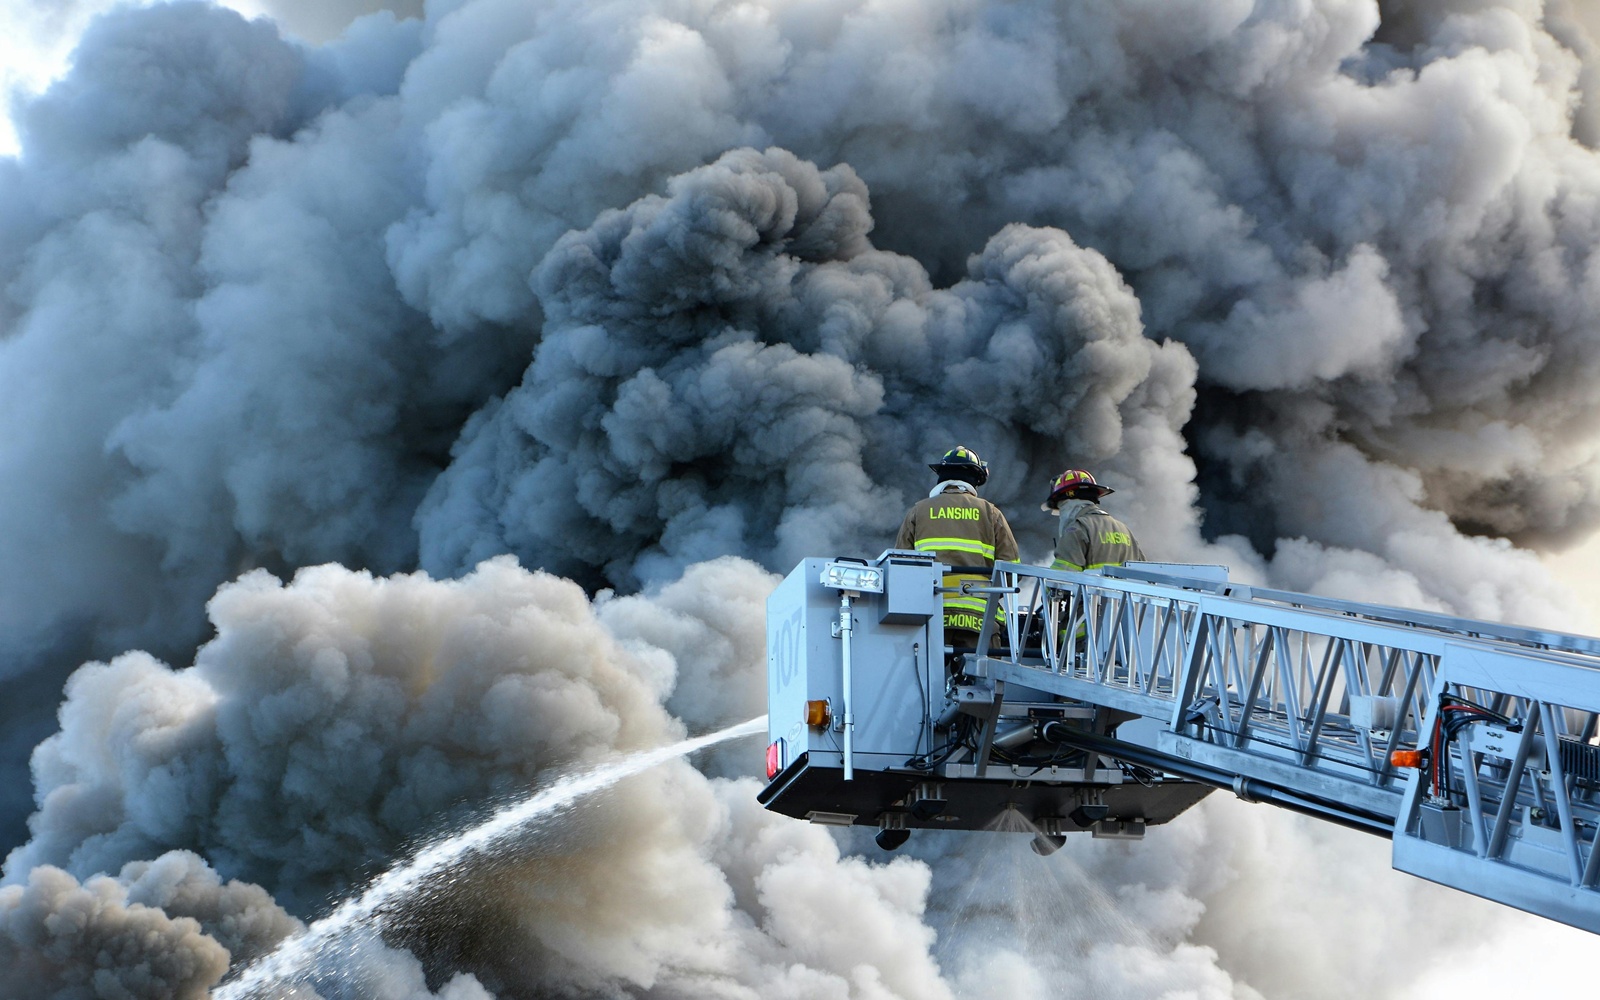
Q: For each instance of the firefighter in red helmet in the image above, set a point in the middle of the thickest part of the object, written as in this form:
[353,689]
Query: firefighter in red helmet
[1088,537]
[963,531]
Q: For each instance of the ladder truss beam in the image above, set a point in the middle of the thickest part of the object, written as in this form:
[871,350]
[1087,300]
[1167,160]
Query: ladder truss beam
[1308,697]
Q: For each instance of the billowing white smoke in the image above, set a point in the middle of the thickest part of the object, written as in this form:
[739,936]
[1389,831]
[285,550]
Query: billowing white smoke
[335,717]
[619,287]
[338,716]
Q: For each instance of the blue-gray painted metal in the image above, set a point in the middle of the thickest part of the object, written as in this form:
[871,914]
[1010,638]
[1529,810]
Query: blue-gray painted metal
[911,760]
[891,661]
[1269,686]
[1293,699]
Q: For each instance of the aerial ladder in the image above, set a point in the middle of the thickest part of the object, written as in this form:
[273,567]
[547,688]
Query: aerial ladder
[1113,700]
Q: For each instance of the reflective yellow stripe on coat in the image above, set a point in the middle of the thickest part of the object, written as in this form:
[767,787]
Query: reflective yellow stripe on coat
[956,545]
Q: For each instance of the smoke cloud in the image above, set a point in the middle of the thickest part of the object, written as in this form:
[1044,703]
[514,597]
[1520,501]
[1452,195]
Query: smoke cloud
[336,717]
[285,371]
[658,298]
[160,929]
[322,21]
[728,368]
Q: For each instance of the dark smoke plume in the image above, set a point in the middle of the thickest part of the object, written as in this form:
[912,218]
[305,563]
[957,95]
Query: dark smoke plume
[163,930]
[732,367]
[619,288]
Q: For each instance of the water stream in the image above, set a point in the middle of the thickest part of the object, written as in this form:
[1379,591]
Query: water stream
[365,912]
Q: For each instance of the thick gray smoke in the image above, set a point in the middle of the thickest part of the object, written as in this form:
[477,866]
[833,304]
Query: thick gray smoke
[159,929]
[337,716]
[621,287]
[291,286]
[728,368]
[325,20]
[332,718]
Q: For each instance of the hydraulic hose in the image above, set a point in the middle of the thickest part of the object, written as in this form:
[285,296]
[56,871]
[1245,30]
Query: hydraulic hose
[1249,789]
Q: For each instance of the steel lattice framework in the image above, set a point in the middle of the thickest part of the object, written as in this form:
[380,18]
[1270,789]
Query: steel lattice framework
[1302,701]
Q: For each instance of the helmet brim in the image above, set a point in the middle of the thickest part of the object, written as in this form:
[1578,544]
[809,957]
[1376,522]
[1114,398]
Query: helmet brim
[976,475]
[1091,492]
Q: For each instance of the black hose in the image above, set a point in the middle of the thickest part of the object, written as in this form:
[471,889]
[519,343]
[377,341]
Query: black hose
[1249,789]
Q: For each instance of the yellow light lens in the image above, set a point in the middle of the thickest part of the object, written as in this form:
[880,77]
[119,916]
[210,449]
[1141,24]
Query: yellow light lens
[817,713]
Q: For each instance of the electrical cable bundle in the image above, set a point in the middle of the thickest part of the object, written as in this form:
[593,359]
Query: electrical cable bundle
[1454,715]
[960,736]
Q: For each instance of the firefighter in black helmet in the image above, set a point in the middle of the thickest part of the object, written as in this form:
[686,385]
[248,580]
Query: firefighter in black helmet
[963,531]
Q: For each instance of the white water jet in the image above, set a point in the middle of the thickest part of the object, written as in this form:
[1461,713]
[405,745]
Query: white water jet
[366,910]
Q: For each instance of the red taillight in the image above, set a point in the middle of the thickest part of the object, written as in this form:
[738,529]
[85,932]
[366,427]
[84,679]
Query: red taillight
[774,759]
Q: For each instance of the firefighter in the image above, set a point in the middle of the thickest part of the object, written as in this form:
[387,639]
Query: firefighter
[1088,536]
[965,532]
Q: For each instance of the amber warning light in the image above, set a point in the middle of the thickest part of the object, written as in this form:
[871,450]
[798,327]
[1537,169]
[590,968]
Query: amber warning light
[1406,758]
[774,759]
[818,714]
